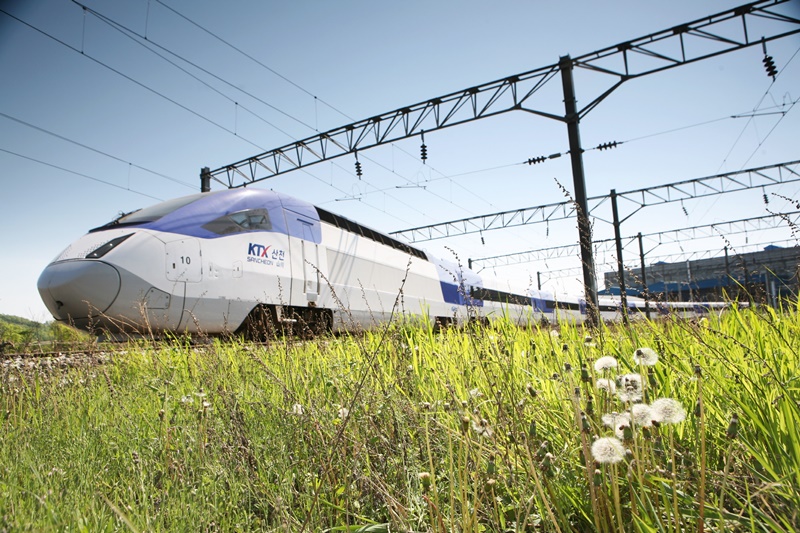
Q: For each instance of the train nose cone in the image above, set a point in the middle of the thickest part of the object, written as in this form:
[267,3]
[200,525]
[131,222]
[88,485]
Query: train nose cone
[77,291]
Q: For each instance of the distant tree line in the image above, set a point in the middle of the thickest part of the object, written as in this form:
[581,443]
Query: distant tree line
[17,333]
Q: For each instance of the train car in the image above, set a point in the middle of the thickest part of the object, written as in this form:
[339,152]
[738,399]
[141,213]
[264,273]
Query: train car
[248,260]
[223,261]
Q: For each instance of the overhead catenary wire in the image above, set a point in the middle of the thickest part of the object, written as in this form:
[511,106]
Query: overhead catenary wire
[140,84]
[95,150]
[755,108]
[144,42]
[129,33]
[129,78]
[273,71]
[80,174]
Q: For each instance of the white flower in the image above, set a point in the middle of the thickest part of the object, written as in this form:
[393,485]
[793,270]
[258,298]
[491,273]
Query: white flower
[645,356]
[554,333]
[614,420]
[343,412]
[475,393]
[668,411]
[608,450]
[642,415]
[630,388]
[482,429]
[606,362]
[297,409]
[605,384]
[629,397]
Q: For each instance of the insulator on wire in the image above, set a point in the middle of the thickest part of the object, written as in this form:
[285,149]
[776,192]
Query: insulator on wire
[769,65]
[607,146]
[536,160]
[423,149]
[358,167]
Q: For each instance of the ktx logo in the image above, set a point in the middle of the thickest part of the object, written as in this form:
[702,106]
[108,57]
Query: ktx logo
[258,250]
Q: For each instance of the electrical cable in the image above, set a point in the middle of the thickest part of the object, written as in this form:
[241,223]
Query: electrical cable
[79,174]
[755,108]
[281,76]
[56,135]
[147,88]
[140,84]
[141,40]
[130,34]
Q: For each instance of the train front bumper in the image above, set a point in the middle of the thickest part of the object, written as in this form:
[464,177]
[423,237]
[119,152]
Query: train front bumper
[78,292]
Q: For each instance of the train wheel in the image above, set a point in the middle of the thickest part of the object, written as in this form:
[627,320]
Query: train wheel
[261,324]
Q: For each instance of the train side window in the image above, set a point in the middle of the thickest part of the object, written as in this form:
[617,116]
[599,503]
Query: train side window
[242,221]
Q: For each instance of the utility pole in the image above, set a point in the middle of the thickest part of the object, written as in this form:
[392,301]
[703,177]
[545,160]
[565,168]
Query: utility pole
[623,295]
[572,118]
[205,179]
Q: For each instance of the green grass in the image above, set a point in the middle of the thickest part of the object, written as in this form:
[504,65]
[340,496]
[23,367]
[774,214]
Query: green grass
[408,429]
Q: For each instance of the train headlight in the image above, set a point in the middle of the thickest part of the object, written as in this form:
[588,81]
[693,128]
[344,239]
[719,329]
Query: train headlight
[102,250]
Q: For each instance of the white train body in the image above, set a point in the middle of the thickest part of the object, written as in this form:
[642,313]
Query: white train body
[219,262]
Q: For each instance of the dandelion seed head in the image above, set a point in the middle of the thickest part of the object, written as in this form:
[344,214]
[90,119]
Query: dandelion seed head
[606,362]
[668,411]
[608,450]
[482,429]
[642,415]
[606,385]
[629,397]
[425,479]
[645,356]
[631,382]
[614,420]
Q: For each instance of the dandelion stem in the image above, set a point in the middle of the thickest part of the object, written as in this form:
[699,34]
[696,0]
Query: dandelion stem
[675,514]
[615,491]
[726,471]
[702,432]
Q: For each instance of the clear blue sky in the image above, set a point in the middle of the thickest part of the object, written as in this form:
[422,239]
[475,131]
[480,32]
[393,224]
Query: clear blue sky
[67,106]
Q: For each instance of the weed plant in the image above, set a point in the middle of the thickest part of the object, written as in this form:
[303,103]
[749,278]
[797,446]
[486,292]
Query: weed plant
[663,426]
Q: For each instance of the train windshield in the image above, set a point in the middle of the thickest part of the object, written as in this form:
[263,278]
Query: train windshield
[248,220]
[152,213]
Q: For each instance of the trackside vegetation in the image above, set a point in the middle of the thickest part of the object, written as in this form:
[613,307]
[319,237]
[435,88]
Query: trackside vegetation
[663,426]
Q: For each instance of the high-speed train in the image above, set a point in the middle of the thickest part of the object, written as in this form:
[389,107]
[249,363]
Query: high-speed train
[251,259]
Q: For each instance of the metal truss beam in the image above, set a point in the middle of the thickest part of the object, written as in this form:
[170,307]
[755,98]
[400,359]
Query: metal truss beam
[505,219]
[687,43]
[732,227]
[572,272]
[754,178]
[710,254]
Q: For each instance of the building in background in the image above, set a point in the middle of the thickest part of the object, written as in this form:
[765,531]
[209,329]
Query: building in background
[766,276]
